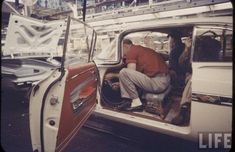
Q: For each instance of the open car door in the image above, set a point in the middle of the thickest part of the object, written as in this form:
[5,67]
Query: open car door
[212,80]
[61,103]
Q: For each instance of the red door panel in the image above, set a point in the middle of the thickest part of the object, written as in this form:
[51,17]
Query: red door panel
[79,100]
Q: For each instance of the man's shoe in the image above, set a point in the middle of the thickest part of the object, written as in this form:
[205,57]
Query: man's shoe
[135,109]
[124,105]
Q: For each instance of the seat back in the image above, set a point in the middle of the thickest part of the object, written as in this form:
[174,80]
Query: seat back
[156,103]
[157,97]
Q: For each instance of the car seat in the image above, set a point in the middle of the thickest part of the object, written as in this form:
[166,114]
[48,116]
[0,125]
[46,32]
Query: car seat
[157,103]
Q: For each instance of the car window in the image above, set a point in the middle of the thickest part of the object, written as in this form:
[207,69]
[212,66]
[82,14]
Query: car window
[213,45]
[157,41]
[106,51]
[80,41]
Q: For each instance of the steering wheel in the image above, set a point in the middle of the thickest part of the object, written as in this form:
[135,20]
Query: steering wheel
[112,84]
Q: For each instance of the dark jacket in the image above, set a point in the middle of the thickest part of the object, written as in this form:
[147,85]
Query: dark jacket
[174,58]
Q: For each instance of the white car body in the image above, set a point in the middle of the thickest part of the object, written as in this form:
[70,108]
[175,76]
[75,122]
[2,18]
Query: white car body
[208,78]
[60,103]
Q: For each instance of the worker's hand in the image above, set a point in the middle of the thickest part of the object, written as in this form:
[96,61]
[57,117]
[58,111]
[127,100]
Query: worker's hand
[188,43]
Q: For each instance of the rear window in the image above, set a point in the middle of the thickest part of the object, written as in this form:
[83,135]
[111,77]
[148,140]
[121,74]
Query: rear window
[213,45]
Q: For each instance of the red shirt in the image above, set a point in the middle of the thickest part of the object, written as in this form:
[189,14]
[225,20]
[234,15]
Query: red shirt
[147,60]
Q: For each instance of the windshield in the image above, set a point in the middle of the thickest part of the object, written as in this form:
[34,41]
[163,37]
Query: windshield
[80,42]
[109,53]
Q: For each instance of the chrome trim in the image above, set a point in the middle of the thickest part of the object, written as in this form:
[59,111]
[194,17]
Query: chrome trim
[211,99]
[92,70]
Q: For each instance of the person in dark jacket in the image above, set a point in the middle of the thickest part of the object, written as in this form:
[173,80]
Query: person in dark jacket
[176,49]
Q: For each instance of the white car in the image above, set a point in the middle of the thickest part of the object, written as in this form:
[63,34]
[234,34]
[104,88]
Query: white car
[62,102]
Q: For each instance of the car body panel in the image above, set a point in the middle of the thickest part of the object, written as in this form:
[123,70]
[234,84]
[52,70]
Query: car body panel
[35,104]
[208,78]
[28,52]
[212,88]
[80,94]
[212,78]
[61,102]
[210,118]
[18,75]
[28,37]
[66,107]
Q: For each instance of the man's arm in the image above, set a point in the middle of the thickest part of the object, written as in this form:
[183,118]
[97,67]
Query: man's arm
[113,75]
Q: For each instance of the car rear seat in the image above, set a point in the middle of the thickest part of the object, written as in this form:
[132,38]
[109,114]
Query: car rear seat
[157,103]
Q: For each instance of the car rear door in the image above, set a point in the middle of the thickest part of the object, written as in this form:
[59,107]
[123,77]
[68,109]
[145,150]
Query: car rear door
[61,103]
[212,80]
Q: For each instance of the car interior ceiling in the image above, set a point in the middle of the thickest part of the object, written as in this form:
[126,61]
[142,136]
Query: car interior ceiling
[185,30]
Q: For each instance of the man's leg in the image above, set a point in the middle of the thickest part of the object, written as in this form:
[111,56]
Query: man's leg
[129,79]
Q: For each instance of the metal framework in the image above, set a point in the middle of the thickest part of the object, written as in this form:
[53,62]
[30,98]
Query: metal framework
[116,20]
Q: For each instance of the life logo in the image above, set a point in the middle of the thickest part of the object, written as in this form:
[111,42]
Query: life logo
[214,140]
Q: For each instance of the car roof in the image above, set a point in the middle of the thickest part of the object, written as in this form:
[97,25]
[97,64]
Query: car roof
[222,20]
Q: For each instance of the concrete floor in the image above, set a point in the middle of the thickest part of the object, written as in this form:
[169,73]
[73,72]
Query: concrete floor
[97,135]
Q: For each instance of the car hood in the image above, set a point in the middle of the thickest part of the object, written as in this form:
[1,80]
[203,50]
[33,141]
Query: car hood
[31,37]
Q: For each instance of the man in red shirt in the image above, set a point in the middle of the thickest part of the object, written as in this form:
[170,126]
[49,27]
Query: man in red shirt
[146,70]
